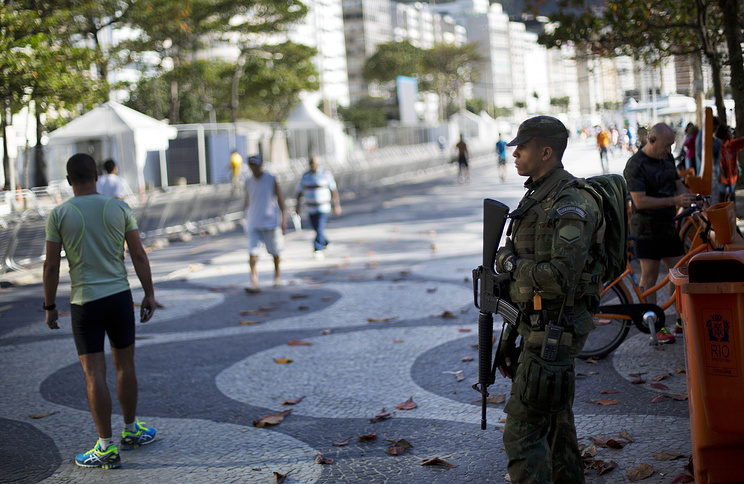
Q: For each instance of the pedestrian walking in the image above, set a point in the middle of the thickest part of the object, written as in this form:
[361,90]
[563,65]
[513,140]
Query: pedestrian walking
[265,220]
[93,228]
[110,184]
[318,187]
[463,169]
[501,155]
[603,145]
[548,256]
[656,190]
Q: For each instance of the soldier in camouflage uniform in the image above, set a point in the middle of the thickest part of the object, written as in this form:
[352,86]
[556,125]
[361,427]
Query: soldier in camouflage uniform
[552,232]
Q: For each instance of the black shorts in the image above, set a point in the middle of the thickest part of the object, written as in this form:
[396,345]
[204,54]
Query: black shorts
[659,247]
[112,315]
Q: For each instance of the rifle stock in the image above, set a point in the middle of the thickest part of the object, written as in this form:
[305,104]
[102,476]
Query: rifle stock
[491,295]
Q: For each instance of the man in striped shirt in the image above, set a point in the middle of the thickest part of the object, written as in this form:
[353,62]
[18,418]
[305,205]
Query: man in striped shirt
[318,187]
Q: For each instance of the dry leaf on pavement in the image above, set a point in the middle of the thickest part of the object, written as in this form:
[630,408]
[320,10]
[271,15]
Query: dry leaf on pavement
[610,442]
[292,401]
[496,398]
[608,392]
[383,415]
[249,323]
[283,361]
[659,386]
[446,315]
[371,436]
[467,358]
[659,398]
[683,479]
[625,435]
[380,320]
[668,456]
[407,405]
[436,461]
[604,402]
[590,451]
[297,342]
[271,419]
[661,376]
[679,370]
[341,443]
[298,296]
[279,478]
[41,415]
[680,396]
[319,459]
[641,472]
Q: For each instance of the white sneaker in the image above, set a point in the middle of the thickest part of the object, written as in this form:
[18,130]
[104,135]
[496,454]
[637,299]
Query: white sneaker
[319,255]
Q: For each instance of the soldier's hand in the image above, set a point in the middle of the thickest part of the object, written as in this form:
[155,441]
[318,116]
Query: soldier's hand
[504,253]
[506,368]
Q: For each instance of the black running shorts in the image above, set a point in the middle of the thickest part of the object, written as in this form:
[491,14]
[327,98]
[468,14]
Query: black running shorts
[112,315]
[659,247]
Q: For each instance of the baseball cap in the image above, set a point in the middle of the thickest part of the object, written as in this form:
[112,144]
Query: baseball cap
[254,160]
[540,127]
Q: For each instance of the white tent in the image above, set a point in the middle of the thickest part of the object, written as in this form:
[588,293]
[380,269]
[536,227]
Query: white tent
[111,131]
[325,136]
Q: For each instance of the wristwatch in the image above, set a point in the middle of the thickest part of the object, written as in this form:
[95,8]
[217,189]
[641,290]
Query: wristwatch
[510,263]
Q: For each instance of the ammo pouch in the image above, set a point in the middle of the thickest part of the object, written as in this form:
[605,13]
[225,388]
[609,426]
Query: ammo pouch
[541,386]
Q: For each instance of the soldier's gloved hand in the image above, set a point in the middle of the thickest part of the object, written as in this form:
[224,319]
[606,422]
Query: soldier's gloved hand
[506,253]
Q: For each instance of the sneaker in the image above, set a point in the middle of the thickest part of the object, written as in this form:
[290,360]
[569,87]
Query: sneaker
[319,255]
[97,457]
[132,440]
[678,328]
[664,336]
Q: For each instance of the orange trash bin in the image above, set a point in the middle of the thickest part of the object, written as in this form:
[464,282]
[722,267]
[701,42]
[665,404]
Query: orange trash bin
[710,297]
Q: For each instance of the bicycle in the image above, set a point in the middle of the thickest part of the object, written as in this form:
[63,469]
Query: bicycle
[714,229]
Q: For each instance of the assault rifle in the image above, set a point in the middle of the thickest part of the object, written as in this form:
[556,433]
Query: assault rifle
[491,295]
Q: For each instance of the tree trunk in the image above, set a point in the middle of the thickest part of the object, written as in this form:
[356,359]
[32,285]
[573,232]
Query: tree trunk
[6,158]
[40,175]
[732,29]
[234,97]
[715,67]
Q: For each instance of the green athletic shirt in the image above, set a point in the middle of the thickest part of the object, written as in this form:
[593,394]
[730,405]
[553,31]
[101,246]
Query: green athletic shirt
[91,229]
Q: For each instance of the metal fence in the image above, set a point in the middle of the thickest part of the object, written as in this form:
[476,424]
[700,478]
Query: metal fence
[195,209]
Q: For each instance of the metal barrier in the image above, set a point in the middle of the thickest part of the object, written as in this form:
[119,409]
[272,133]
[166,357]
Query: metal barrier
[200,208]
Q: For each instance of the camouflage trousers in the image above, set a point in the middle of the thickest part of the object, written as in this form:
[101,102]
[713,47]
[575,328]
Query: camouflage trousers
[542,447]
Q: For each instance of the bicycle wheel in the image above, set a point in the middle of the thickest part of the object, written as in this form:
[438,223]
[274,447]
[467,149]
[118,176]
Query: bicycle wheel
[608,332]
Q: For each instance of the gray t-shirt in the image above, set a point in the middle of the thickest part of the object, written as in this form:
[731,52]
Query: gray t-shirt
[263,211]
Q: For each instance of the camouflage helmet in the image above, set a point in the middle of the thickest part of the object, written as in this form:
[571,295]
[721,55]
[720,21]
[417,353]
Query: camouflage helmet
[539,127]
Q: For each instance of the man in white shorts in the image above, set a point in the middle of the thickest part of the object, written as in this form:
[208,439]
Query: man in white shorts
[265,220]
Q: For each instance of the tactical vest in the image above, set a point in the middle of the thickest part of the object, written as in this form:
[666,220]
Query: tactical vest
[532,234]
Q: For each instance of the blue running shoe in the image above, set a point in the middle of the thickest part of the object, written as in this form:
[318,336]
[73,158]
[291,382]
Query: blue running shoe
[132,440]
[97,457]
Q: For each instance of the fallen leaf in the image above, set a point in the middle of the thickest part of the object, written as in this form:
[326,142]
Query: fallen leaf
[604,402]
[283,361]
[637,374]
[394,450]
[683,479]
[593,372]
[407,405]
[271,419]
[436,461]
[661,377]
[641,472]
[659,386]
[496,398]
[608,392]
[446,315]
[371,436]
[249,323]
[689,467]
[659,398]
[679,370]
[42,415]
[341,443]
[668,456]
[604,467]
[401,443]
[383,415]
[303,308]
[380,320]
[590,451]
[292,401]
[610,442]
[298,296]
[397,341]
[625,435]
[502,420]
[326,331]
[253,312]
[297,342]
[319,459]
[681,396]
[637,380]
[279,478]
[467,358]
[464,330]
[591,361]
[430,290]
